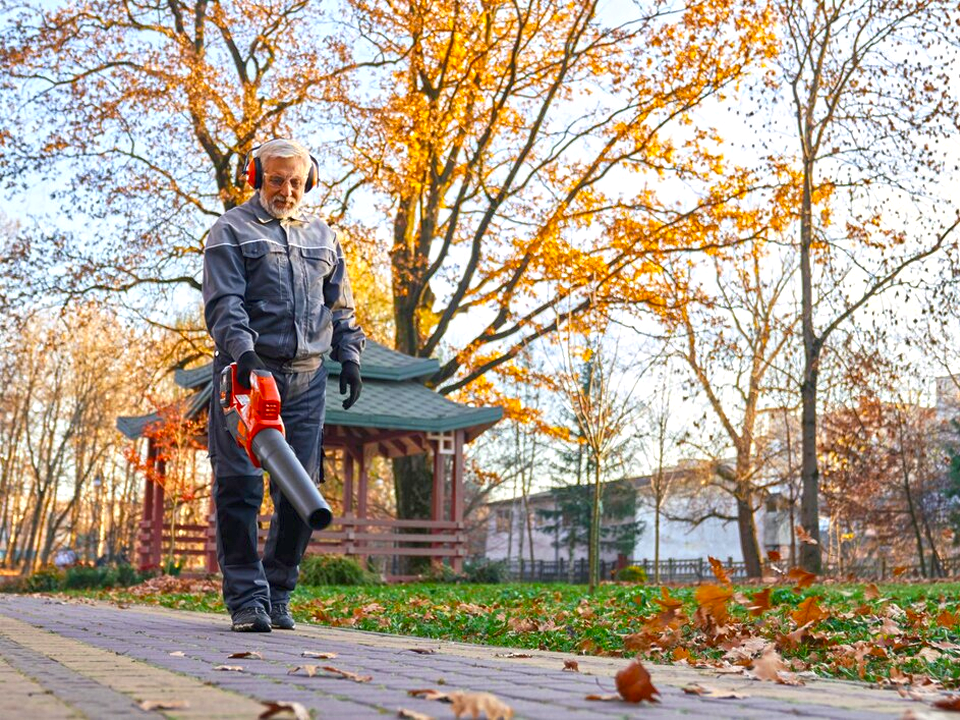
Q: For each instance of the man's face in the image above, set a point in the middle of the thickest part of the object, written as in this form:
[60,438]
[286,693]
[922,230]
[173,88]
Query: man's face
[283,181]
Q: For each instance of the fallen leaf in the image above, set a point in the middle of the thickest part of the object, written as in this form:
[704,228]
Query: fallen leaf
[308,670]
[347,674]
[318,655]
[773,555]
[423,651]
[178,653]
[429,694]
[633,684]
[948,619]
[871,592]
[760,602]
[666,601]
[481,704]
[411,715]
[513,655]
[769,665]
[809,611]
[229,668]
[571,665]
[275,707]
[713,599]
[805,537]
[252,654]
[151,705]
[603,698]
[711,692]
[951,703]
[718,570]
[521,625]
[802,577]
[929,654]
[680,654]
[899,570]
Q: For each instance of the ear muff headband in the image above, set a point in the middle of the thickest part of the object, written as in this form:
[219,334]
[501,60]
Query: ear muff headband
[255,172]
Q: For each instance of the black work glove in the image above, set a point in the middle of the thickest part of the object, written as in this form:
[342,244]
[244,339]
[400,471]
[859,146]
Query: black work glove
[247,363]
[350,375]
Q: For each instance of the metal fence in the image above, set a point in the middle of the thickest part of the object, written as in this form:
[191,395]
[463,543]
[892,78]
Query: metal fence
[698,570]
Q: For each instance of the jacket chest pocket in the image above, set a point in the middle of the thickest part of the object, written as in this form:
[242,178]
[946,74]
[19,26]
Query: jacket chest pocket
[266,267]
[318,264]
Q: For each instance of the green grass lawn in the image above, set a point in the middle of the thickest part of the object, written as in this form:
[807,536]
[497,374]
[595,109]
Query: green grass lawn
[909,632]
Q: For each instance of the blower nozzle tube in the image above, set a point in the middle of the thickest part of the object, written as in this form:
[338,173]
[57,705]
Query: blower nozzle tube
[277,458]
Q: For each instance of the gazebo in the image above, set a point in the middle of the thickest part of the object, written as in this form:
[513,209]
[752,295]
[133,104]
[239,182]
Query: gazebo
[395,416]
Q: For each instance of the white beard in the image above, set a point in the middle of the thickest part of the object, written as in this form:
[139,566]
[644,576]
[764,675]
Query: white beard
[281,213]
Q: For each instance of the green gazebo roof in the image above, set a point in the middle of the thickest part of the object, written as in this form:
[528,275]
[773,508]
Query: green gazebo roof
[392,399]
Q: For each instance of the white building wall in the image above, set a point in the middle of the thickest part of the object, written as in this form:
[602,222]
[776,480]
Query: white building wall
[682,541]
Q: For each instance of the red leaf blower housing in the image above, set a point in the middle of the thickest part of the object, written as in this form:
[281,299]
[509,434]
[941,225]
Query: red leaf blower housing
[253,419]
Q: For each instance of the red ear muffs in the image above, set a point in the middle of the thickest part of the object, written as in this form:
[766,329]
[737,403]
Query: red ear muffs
[255,172]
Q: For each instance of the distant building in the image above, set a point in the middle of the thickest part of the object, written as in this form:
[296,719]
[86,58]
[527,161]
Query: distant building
[692,494]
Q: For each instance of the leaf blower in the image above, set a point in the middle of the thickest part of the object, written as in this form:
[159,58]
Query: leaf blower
[253,418]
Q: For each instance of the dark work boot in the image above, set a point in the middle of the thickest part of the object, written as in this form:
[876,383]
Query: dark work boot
[280,617]
[251,619]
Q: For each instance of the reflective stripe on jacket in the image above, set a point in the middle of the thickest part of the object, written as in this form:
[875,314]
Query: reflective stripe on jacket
[278,287]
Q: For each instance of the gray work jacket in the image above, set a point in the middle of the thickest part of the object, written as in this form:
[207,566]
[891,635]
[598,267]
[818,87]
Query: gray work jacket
[278,287]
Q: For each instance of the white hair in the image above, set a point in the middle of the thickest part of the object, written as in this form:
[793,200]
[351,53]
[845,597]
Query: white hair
[284,149]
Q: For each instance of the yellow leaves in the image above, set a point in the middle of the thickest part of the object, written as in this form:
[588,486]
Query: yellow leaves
[713,600]
[809,611]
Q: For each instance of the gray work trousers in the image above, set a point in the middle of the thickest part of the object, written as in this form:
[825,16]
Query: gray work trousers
[238,494]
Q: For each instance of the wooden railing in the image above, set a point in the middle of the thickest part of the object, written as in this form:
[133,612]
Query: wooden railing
[346,535]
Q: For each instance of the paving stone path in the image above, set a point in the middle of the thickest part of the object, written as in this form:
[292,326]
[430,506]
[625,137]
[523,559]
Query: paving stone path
[80,659]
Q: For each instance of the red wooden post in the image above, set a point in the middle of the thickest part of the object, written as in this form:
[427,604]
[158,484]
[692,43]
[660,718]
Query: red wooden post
[439,481]
[362,493]
[145,544]
[347,481]
[456,498]
[157,520]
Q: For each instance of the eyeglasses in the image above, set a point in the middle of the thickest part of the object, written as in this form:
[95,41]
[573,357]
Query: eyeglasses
[278,181]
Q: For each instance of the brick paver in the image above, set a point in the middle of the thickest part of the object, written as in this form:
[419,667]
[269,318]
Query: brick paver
[74,659]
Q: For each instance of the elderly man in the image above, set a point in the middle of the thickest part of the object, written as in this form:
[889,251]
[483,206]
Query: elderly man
[276,296]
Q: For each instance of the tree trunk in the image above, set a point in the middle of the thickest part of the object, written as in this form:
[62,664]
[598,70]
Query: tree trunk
[810,558]
[656,542]
[594,549]
[747,525]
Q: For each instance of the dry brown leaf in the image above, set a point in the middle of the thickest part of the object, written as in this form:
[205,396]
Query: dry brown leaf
[679,654]
[521,625]
[871,592]
[773,555]
[413,715]
[713,599]
[948,619]
[308,670]
[899,570]
[602,698]
[951,703]
[276,707]
[252,654]
[633,684]
[423,651]
[929,654]
[151,705]
[666,601]
[347,674]
[804,537]
[711,692]
[809,611]
[229,668]
[718,571]
[480,705]
[769,665]
[430,694]
[318,655]
[801,577]
[796,637]
[513,655]
[760,602]
[571,665]
[178,653]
